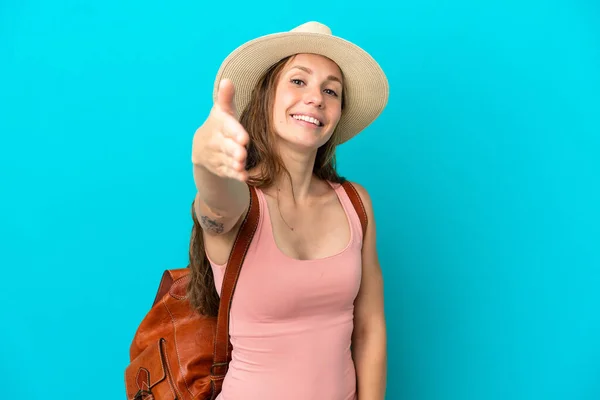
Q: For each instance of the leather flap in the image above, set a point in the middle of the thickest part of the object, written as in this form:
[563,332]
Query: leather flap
[169,277]
[147,370]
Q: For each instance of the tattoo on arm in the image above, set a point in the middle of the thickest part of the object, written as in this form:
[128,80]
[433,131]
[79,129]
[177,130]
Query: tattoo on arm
[211,225]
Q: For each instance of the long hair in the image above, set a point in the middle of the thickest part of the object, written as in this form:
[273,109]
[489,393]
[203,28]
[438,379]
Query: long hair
[256,119]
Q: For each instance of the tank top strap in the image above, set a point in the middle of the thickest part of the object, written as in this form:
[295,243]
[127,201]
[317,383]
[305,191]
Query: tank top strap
[262,207]
[264,221]
[351,212]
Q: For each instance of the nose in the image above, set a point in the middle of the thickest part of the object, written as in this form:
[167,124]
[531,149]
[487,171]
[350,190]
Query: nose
[314,97]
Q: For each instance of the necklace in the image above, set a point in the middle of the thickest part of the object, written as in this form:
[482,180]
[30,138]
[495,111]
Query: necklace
[279,209]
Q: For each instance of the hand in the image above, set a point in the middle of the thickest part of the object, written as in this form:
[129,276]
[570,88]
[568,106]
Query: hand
[219,144]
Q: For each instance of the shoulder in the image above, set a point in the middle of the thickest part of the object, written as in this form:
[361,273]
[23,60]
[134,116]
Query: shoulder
[362,191]
[365,197]
[370,259]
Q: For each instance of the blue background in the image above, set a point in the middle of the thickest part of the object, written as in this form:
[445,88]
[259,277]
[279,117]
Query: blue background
[484,170]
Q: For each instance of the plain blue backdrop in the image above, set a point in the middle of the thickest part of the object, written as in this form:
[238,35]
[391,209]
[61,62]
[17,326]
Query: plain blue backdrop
[484,170]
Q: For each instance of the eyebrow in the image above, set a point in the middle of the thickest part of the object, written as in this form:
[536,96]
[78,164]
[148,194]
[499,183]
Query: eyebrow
[309,71]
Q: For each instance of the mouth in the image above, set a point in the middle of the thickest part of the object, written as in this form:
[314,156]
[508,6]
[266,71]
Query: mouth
[306,118]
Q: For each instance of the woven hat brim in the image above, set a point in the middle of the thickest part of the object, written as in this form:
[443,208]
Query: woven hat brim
[366,88]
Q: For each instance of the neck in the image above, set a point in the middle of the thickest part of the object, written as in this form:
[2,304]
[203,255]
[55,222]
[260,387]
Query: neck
[297,185]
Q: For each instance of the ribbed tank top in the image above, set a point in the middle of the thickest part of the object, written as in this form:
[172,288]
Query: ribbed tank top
[291,320]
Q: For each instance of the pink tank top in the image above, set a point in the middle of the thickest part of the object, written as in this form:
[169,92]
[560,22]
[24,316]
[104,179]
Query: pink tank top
[291,320]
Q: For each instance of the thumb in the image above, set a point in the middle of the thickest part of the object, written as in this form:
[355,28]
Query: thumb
[225,97]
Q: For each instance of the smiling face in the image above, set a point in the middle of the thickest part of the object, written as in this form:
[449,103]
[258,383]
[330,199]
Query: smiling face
[308,100]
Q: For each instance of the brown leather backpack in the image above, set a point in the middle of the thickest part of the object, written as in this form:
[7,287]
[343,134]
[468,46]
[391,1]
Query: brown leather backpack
[179,354]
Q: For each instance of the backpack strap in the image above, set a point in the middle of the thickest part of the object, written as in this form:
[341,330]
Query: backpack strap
[232,272]
[358,204]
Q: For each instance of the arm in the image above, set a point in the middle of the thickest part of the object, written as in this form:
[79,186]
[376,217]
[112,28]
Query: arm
[369,342]
[219,156]
[219,202]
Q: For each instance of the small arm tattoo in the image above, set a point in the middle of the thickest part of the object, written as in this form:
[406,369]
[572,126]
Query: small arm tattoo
[211,225]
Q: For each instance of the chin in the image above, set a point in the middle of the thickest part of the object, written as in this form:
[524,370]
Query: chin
[306,141]
[304,138]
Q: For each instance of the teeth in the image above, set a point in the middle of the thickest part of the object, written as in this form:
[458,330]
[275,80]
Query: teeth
[307,119]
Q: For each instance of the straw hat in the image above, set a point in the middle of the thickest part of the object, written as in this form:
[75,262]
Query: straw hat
[366,87]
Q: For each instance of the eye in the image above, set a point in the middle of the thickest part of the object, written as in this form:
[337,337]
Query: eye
[331,92]
[297,81]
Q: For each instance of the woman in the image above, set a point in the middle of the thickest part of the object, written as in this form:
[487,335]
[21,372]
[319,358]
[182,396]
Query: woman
[307,318]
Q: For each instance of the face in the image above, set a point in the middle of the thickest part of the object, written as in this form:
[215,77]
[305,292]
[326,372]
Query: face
[308,100]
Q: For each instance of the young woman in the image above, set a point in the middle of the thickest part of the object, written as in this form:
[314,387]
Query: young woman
[307,318]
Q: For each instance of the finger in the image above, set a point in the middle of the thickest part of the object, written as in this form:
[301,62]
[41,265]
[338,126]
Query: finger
[234,130]
[225,97]
[233,149]
[227,172]
[233,155]
[242,176]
